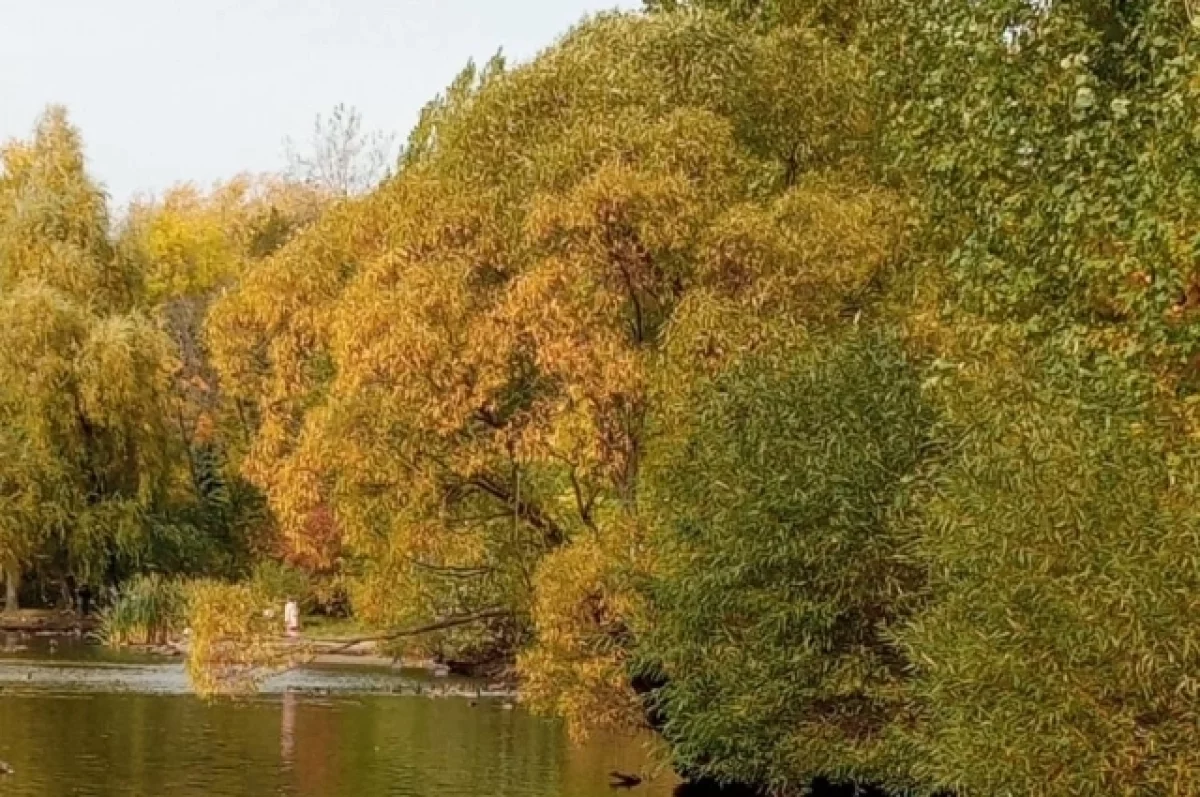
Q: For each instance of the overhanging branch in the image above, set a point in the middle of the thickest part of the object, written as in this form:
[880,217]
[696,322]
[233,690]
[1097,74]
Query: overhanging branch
[441,625]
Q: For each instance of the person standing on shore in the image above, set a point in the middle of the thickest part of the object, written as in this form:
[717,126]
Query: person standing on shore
[291,618]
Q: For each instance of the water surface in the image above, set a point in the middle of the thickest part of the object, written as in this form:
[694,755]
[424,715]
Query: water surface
[120,725]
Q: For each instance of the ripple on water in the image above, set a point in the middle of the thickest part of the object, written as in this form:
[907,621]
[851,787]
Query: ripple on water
[169,678]
[106,744]
[88,722]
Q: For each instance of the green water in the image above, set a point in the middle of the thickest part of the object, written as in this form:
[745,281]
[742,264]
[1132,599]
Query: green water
[64,735]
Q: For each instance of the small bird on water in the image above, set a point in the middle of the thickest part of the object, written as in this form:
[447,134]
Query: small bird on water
[619,780]
[6,769]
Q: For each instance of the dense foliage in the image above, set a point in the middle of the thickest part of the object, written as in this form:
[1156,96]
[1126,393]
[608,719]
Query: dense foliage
[118,449]
[461,364]
[83,372]
[813,382]
[782,581]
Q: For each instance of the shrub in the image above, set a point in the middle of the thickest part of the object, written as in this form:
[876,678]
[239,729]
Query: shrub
[275,582]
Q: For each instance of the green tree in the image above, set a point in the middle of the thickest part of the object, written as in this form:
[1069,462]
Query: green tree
[83,399]
[1052,148]
[781,504]
[1059,653]
[84,375]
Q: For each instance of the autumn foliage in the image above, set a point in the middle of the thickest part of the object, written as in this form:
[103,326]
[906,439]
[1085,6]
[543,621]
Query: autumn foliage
[811,382]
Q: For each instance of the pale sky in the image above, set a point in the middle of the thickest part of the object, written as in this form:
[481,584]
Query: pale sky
[172,90]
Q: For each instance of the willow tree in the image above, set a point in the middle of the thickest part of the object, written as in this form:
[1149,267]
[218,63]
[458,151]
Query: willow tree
[780,505]
[54,221]
[461,363]
[190,245]
[84,376]
[1058,653]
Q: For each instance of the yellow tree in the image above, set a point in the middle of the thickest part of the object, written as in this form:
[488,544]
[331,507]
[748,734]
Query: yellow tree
[191,242]
[465,363]
[84,376]
[190,245]
[54,220]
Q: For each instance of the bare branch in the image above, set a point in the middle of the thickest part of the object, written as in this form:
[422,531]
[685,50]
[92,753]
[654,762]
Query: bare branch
[449,570]
[342,157]
[530,513]
[441,625]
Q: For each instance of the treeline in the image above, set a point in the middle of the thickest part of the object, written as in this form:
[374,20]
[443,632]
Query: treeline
[118,454]
[814,382]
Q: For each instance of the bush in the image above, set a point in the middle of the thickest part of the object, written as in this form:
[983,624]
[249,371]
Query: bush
[275,582]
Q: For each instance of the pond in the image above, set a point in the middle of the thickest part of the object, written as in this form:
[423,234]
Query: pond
[83,722]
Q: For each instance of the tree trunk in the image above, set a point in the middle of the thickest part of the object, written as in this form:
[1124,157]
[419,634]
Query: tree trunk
[12,589]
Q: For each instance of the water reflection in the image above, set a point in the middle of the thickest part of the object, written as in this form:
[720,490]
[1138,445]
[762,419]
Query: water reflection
[81,720]
[105,745]
[287,731]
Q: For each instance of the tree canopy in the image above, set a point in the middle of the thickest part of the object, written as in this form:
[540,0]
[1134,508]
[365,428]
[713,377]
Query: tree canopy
[104,403]
[462,363]
[814,383]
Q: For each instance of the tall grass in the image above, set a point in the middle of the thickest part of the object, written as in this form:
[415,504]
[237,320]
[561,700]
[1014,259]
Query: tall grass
[149,610]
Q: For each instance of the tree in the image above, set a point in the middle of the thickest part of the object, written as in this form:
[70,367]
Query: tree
[191,245]
[71,364]
[781,506]
[54,220]
[342,158]
[460,363]
[83,400]
[86,374]
[1057,655]
[1050,143]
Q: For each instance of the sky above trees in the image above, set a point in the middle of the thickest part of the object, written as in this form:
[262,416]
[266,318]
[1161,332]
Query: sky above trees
[200,91]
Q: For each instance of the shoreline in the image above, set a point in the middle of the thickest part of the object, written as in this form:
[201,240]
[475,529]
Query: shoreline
[328,651]
[36,652]
[324,651]
[332,652]
[47,621]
